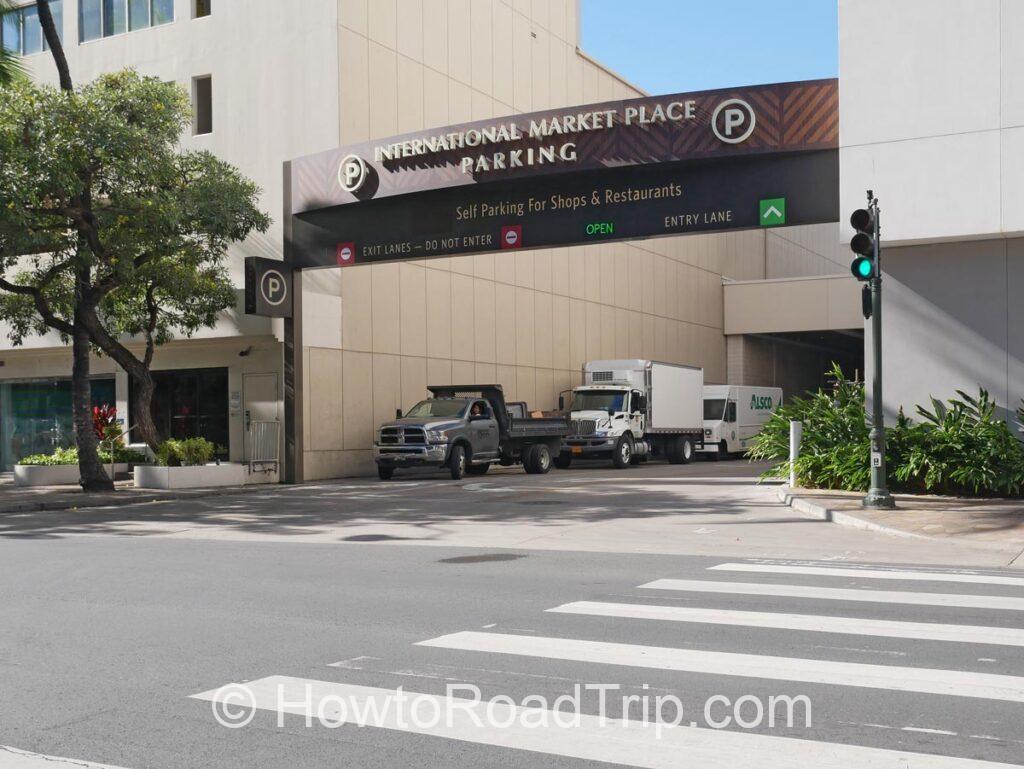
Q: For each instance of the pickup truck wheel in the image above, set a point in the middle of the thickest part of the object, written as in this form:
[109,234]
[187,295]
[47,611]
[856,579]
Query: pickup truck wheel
[527,458]
[478,469]
[541,457]
[562,461]
[623,452]
[385,473]
[457,463]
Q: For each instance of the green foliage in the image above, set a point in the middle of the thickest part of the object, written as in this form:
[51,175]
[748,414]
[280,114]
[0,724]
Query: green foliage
[69,456]
[190,451]
[960,447]
[160,219]
[835,450]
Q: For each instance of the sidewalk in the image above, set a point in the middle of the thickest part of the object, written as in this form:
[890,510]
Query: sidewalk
[993,523]
[28,499]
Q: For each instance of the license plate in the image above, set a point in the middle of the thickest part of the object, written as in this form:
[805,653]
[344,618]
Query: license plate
[577,449]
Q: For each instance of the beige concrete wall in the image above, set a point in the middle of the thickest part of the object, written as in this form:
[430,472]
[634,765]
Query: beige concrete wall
[526,320]
[829,303]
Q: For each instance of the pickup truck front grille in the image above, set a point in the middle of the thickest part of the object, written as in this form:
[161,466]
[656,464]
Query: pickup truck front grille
[392,436]
[583,427]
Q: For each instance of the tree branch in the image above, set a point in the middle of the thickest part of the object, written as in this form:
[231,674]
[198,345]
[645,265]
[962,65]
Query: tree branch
[56,46]
[41,305]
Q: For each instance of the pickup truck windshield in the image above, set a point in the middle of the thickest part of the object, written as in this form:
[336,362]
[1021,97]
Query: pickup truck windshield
[598,400]
[439,407]
[714,408]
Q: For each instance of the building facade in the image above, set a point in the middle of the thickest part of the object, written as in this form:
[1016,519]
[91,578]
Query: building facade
[273,81]
[932,119]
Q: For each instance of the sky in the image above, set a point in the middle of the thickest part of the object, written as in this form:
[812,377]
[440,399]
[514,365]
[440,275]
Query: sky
[671,46]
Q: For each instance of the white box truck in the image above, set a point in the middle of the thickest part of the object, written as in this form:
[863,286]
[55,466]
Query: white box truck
[629,410]
[734,414]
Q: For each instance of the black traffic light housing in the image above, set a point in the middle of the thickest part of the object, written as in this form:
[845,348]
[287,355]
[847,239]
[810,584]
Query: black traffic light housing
[863,244]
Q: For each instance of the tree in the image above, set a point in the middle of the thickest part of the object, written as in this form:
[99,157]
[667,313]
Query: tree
[126,233]
[10,63]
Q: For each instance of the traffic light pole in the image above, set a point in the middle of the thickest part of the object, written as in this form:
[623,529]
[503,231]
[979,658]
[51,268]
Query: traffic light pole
[878,496]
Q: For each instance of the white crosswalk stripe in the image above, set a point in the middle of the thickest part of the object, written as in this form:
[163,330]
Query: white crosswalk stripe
[611,741]
[1007,603]
[890,574]
[632,743]
[891,677]
[811,623]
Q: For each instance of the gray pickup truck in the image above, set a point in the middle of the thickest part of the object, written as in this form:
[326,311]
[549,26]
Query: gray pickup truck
[467,428]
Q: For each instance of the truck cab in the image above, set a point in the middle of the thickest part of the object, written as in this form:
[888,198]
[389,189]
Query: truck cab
[599,416]
[734,414]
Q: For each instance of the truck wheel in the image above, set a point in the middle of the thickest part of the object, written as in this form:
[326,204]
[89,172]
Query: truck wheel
[623,452]
[457,462]
[685,451]
[385,473]
[723,451]
[477,469]
[541,456]
[674,451]
[562,461]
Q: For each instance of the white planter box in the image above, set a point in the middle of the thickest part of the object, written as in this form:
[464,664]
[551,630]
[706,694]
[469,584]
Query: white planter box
[46,475]
[195,477]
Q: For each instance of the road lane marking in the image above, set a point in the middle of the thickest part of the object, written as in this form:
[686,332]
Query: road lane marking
[13,758]
[1005,603]
[988,686]
[893,574]
[589,738]
[922,631]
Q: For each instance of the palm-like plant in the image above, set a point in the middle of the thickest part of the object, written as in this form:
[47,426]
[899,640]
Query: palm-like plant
[10,62]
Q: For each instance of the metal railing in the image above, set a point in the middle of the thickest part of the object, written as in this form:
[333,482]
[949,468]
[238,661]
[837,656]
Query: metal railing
[264,445]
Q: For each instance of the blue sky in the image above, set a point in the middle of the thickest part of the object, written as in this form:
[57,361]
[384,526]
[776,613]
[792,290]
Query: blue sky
[670,46]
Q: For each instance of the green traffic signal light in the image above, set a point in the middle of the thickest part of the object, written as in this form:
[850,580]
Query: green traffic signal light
[863,268]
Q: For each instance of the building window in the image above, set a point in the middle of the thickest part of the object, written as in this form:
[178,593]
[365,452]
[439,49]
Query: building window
[201,8]
[104,18]
[202,105]
[191,403]
[21,31]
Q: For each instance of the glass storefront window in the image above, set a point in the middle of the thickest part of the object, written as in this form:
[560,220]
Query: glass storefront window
[192,403]
[35,416]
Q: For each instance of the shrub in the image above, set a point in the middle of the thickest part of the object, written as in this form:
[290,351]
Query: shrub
[104,421]
[69,456]
[190,451]
[835,450]
[960,447]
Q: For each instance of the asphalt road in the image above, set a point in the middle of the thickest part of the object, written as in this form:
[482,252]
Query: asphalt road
[119,627]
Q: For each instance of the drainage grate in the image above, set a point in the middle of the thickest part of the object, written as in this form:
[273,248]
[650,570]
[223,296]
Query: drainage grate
[482,558]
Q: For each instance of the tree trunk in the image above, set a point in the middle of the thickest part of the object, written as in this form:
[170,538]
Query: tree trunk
[92,475]
[56,46]
[143,389]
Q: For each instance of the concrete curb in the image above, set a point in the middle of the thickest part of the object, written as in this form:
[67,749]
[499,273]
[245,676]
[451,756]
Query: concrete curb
[822,513]
[121,498]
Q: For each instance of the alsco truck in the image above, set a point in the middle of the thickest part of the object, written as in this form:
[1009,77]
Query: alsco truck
[734,414]
[629,410]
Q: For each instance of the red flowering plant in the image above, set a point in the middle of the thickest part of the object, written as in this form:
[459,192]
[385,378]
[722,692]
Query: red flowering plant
[104,422]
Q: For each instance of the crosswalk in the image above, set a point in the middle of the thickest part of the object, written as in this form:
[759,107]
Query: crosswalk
[942,686]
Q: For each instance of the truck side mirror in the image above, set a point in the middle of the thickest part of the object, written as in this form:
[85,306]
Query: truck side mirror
[561,403]
[398,413]
[642,404]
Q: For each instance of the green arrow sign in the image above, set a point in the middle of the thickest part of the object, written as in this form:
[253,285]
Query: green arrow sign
[773,212]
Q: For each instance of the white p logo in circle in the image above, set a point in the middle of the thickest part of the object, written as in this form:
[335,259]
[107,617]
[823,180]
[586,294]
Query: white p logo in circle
[733,121]
[273,287]
[352,173]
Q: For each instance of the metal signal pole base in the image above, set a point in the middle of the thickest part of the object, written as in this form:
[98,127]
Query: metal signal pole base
[879,499]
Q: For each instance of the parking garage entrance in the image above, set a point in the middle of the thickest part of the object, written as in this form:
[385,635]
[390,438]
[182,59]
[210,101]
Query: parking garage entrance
[732,159]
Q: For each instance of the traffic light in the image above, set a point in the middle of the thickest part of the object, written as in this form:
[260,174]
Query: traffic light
[863,244]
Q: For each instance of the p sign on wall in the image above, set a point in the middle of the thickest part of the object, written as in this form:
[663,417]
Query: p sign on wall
[268,288]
